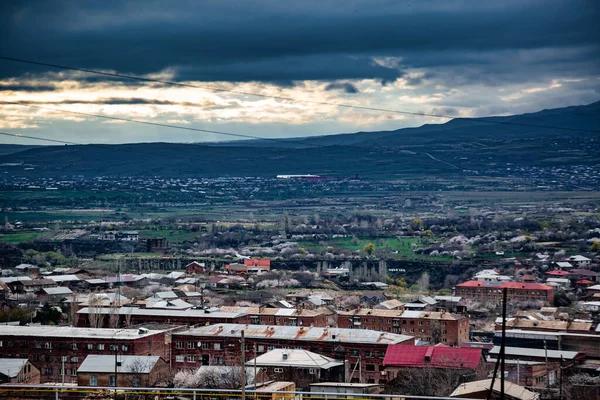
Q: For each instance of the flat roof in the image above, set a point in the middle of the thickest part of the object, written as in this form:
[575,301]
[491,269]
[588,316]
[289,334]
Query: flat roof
[190,313]
[46,331]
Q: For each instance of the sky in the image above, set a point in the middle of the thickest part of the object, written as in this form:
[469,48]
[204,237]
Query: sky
[452,58]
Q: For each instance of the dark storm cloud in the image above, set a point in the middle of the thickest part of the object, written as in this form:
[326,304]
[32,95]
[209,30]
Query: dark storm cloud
[17,87]
[274,41]
[345,87]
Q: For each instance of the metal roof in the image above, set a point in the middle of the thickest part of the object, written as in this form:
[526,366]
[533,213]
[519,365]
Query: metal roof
[125,364]
[64,278]
[298,333]
[43,331]
[294,358]
[541,353]
[510,389]
[191,313]
[58,290]
[11,367]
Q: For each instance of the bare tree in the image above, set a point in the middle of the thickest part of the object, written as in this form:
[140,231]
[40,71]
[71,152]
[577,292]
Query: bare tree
[95,315]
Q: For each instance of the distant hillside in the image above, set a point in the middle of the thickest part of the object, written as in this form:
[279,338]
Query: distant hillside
[14,148]
[456,147]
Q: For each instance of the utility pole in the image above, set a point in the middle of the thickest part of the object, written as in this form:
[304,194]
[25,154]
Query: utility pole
[255,356]
[518,373]
[243,361]
[62,359]
[547,369]
[116,368]
[560,384]
[500,359]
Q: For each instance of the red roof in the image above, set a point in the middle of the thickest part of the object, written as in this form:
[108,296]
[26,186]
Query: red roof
[257,263]
[431,356]
[584,282]
[508,285]
[557,272]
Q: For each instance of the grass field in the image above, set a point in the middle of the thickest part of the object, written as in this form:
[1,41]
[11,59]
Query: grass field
[20,237]
[403,246]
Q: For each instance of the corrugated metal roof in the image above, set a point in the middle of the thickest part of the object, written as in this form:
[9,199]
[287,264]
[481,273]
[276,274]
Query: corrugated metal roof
[58,290]
[541,353]
[42,331]
[432,356]
[192,313]
[298,333]
[125,364]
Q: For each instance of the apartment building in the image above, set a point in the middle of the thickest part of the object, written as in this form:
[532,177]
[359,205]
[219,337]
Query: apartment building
[517,291]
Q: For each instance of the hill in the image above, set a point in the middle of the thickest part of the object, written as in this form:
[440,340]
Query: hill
[486,146]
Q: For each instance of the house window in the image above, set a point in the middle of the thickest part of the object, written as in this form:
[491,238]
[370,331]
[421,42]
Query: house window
[100,346]
[73,371]
[205,346]
[354,353]
[89,346]
[47,371]
[114,347]
[260,348]
[74,359]
[73,346]
[217,346]
[444,340]
[370,367]
[124,348]
[48,345]
[191,345]
[179,345]
[270,347]
[191,359]
[64,358]
[179,358]
[93,380]
[217,360]
[112,380]
[37,345]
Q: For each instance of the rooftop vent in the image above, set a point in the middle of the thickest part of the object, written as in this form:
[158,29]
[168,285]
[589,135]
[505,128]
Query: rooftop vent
[285,356]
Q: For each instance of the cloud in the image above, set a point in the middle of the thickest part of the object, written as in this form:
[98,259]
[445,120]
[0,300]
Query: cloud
[344,87]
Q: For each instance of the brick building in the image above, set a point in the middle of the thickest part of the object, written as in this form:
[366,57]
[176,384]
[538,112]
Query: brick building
[517,291]
[48,347]
[220,345]
[429,326]
[133,316]
[132,371]
[282,316]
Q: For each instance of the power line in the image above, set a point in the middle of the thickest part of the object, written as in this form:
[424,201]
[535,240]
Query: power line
[187,128]
[284,98]
[36,138]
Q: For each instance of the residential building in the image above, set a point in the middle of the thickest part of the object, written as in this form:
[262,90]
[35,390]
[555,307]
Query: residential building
[220,345]
[51,347]
[282,316]
[429,326]
[131,371]
[400,359]
[517,291]
[300,366]
[195,267]
[18,371]
[480,390]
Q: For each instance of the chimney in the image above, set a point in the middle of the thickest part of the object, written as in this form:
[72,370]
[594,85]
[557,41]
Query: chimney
[285,356]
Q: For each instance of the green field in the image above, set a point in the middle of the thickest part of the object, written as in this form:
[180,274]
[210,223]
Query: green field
[20,237]
[403,246]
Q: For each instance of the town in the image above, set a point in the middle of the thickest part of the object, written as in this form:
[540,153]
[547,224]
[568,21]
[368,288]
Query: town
[356,303]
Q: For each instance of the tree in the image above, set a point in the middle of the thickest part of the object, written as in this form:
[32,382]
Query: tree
[48,315]
[369,249]
[596,246]
[423,282]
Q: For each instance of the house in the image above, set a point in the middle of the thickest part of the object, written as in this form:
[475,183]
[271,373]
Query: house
[372,299]
[564,265]
[28,269]
[399,359]
[343,388]
[578,274]
[129,236]
[517,291]
[55,294]
[562,283]
[390,305]
[195,267]
[480,390]
[131,371]
[18,371]
[299,365]
[580,261]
